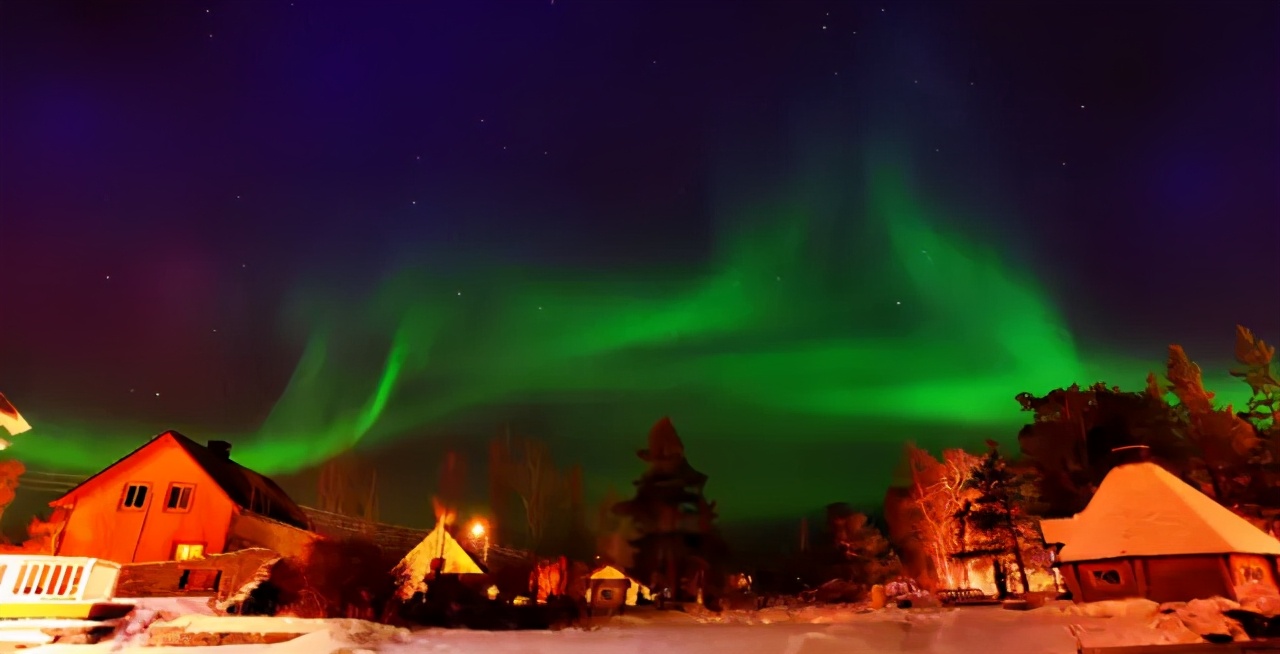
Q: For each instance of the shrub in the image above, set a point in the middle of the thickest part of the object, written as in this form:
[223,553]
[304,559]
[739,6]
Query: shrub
[337,579]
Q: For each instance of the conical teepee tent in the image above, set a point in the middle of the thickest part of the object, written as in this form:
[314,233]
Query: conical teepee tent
[412,570]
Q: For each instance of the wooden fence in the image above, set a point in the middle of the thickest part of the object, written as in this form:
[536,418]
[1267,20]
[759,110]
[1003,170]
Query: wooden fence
[395,540]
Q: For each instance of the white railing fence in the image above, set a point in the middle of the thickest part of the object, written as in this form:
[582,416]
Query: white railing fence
[30,578]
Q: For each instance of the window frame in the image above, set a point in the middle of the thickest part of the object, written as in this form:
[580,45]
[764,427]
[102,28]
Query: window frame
[124,496]
[180,486]
[1099,578]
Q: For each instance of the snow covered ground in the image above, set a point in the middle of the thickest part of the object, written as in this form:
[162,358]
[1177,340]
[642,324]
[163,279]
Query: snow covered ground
[970,630]
[976,630]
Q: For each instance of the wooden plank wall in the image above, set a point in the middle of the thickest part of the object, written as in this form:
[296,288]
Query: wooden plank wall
[163,578]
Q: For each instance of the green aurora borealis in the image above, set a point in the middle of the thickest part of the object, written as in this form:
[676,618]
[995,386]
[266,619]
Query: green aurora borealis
[795,347]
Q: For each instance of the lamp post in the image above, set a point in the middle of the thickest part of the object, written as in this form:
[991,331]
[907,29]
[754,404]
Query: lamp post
[480,538]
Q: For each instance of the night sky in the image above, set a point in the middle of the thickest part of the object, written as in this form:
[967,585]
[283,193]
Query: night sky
[808,232]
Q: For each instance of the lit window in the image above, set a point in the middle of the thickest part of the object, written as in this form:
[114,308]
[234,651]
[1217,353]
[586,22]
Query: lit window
[188,551]
[179,497]
[135,497]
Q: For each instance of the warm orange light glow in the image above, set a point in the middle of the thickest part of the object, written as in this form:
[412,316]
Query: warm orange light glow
[477,529]
[188,552]
[977,573]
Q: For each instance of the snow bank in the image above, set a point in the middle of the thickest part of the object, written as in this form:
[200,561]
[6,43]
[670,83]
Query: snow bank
[811,630]
[214,624]
[1202,620]
[319,642]
[174,605]
[1136,609]
[315,637]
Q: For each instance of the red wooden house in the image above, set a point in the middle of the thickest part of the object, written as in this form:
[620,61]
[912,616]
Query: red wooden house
[174,499]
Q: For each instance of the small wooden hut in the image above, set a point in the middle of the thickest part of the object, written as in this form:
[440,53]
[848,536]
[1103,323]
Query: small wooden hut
[1147,533]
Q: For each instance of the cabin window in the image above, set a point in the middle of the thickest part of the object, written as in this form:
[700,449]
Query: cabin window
[179,497]
[135,497]
[1250,569]
[1106,577]
[1252,574]
[188,551]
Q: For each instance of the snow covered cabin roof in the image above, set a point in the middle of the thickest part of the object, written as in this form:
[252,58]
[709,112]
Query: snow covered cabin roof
[1056,530]
[1140,509]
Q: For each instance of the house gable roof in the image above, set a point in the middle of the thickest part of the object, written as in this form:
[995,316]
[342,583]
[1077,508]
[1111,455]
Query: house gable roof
[1141,509]
[249,490]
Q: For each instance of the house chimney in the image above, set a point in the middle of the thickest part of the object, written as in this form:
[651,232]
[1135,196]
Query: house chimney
[1130,454]
[220,448]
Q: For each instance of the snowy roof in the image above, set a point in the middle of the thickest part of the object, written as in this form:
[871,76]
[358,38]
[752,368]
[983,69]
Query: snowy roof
[1140,509]
[613,572]
[249,489]
[1056,531]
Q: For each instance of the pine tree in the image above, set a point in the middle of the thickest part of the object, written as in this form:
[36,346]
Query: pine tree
[1075,429]
[678,541]
[1227,444]
[989,522]
[1258,370]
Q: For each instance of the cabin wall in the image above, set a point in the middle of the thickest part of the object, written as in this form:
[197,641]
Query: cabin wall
[1161,578]
[610,594]
[1182,578]
[98,525]
[634,592]
[1072,581]
[219,576]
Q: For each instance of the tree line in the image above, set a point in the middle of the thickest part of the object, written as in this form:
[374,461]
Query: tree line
[964,506]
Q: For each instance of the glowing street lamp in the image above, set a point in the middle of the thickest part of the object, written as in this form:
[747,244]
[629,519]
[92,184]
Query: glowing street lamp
[480,538]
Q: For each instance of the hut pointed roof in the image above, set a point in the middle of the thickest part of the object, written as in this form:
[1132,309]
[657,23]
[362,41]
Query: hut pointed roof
[1141,509]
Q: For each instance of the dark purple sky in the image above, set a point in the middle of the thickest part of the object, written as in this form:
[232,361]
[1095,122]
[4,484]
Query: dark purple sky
[217,160]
